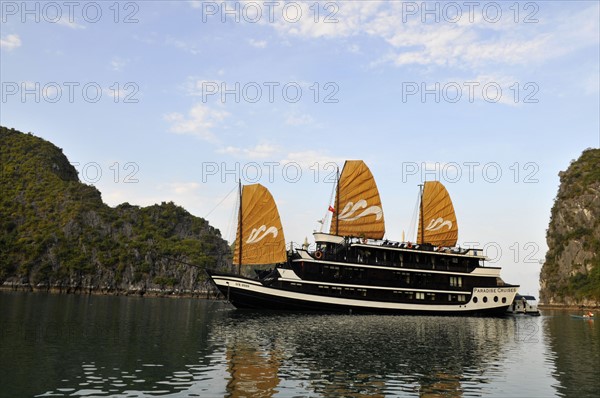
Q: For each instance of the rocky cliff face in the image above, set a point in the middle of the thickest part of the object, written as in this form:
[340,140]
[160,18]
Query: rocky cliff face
[56,233]
[571,272]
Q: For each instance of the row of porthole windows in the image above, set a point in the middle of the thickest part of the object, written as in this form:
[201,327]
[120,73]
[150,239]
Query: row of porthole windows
[485,299]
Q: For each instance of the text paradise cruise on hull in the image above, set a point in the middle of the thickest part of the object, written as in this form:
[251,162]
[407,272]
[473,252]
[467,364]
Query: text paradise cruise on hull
[352,269]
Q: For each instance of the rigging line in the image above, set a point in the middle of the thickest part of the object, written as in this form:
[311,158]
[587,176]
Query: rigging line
[222,200]
[413,222]
[328,213]
[231,232]
[180,261]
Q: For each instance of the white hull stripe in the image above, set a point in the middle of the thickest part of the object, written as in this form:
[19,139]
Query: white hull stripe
[373,287]
[244,284]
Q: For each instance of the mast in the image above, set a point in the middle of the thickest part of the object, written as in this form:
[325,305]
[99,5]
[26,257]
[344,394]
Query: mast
[337,202]
[422,219]
[240,228]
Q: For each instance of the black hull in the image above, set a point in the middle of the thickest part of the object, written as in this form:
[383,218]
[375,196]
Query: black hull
[245,298]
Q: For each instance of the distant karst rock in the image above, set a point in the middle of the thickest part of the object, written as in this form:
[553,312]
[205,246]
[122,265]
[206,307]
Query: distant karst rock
[571,272]
[57,234]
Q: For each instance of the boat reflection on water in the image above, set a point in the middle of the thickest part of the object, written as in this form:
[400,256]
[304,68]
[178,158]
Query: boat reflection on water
[253,370]
[446,385]
[358,356]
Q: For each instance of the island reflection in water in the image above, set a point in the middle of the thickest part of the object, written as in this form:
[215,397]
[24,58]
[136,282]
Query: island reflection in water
[575,348]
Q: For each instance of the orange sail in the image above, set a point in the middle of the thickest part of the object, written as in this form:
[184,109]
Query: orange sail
[357,207]
[261,232]
[437,216]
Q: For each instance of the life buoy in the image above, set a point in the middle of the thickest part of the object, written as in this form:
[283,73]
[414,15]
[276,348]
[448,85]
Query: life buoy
[318,254]
[409,245]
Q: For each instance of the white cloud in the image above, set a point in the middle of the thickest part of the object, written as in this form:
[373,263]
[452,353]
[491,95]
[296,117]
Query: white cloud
[117,64]
[340,19]
[70,24]
[257,43]
[296,119]
[490,88]
[182,45]
[195,3]
[471,43]
[200,122]
[183,188]
[260,151]
[10,42]
[313,158]
[201,87]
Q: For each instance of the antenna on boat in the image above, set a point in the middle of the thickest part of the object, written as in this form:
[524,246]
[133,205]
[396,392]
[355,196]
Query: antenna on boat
[240,228]
[421,217]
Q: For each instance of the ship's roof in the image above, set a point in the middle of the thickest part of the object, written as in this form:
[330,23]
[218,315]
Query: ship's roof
[446,252]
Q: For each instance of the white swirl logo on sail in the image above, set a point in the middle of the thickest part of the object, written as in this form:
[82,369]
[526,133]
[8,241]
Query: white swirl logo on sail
[437,224]
[255,235]
[347,213]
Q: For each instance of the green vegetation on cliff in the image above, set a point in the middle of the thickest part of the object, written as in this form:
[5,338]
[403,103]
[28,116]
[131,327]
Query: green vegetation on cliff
[571,272]
[56,232]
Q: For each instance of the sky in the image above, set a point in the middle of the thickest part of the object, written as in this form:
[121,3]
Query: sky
[158,101]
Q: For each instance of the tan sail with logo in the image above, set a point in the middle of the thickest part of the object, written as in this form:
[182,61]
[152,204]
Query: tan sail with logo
[261,233]
[357,209]
[437,217]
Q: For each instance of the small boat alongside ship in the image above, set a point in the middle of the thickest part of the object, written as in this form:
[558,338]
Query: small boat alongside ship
[353,269]
[524,305]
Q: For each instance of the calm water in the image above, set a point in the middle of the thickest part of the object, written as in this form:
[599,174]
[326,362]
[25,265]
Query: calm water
[53,345]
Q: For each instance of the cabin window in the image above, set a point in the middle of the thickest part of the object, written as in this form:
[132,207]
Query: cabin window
[331,271]
[455,260]
[462,298]
[430,296]
[406,277]
[421,279]
[362,292]
[456,281]
[420,296]
[353,272]
[402,277]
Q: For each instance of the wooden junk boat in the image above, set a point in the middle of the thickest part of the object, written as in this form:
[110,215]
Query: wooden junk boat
[352,269]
